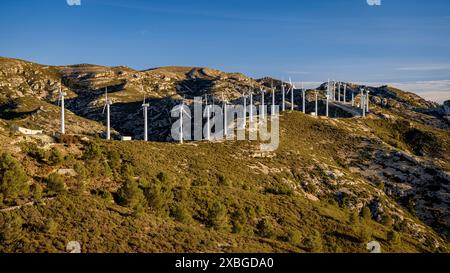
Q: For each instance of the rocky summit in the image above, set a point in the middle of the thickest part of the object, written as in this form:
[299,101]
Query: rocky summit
[333,185]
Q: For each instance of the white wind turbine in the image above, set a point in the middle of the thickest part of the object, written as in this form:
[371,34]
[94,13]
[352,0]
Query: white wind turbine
[263,114]
[107,107]
[345,92]
[292,93]
[225,120]
[207,115]
[244,110]
[145,107]
[273,100]
[251,105]
[61,102]
[367,100]
[283,96]
[304,99]
[339,92]
[182,113]
[317,105]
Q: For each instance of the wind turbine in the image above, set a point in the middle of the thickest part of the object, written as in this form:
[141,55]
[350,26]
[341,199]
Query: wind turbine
[283,103]
[292,94]
[107,107]
[273,100]
[304,99]
[61,102]
[367,100]
[145,110]
[245,110]
[334,90]
[182,112]
[339,92]
[345,93]
[251,105]
[208,113]
[363,99]
[225,121]
[262,104]
[317,106]
[353,99]
[326,111]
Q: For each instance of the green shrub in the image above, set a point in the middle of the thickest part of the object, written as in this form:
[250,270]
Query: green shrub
[159,196]
[13,179]
[50,226]
[130,195]
[387,220]
[393,237]
[92,151]
[238,220]
[127,171]
[354,218]
[35,152]
[366,214]
[55,157]
[163,177]
[181,214]
[264,228]
[364,234]
[37,191]
[294,237]
[82,172]
[114,160]
[55,183]
[199,182]
[10,228]
[314,242]
[279,189]
[218,217]
[223,181]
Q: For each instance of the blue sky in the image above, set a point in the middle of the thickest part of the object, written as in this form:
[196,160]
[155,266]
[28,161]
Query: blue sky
[308,40]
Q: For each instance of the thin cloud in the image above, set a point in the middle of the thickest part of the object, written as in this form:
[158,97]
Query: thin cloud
[437,91]
[432,67]
[297,72]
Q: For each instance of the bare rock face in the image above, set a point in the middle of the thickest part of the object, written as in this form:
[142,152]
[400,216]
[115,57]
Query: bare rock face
[447,108]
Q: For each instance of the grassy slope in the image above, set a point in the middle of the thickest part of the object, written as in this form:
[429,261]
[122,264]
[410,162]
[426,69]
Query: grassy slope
[101,225]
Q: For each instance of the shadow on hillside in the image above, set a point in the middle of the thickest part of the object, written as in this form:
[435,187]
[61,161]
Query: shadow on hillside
[8,111]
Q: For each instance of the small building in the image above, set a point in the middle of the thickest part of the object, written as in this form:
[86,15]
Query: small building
[27,131]
[126,138]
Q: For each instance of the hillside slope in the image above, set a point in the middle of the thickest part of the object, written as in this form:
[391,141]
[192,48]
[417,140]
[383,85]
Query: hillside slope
[333,185]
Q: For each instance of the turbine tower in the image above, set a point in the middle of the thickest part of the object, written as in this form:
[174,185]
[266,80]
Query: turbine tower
[283,95]
[145,110]
[304,99]
[345,93]
[292,94]
[273,100]
[225,120]
[367,100]
[339,92]
[182,112]
[251,105]
[245,111]
[262,104]
[107,107]
[326,110]
[317,106]
[207,114]
[61,102]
